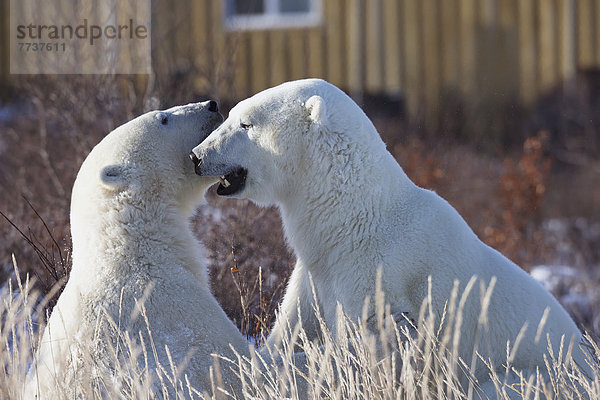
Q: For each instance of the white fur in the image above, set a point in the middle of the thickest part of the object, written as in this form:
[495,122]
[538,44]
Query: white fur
[129,221]
[348,209]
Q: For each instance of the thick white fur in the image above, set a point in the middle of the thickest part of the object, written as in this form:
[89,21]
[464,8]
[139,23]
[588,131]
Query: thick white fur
[129,221]
[348,209]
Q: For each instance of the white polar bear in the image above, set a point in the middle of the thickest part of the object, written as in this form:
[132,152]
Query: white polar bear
[129,210]
[348,209]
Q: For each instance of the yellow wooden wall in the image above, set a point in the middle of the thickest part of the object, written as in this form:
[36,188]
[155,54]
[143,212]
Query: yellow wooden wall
[423,49]
[479,50]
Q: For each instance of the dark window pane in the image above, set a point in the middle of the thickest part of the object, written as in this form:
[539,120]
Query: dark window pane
[291,6]
[248,6]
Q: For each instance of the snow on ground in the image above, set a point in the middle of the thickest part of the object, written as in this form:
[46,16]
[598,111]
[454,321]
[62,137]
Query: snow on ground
[577,290]
[572,268]
[553,276]
[572,241]
[8,113]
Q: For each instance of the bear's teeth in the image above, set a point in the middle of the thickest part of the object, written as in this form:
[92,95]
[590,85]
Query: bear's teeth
[224,181]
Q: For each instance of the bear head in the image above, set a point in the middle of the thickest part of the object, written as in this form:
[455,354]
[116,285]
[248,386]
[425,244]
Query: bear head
[145,162]
[280,133]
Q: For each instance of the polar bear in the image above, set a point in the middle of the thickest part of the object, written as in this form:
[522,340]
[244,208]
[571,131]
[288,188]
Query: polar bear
[348,209]
[131,239]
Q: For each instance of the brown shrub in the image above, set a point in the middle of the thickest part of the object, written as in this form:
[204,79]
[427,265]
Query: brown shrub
[516,228]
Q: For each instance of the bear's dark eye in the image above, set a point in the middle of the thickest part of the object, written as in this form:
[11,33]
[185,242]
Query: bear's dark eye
[245,126]
[164,120]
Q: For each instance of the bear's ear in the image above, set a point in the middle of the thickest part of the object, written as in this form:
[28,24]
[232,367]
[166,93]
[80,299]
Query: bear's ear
[113,176]
[316,108]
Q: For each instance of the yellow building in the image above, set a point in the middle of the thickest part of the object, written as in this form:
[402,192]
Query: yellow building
[422,51]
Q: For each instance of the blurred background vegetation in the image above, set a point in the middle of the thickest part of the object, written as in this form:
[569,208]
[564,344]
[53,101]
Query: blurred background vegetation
[494,104]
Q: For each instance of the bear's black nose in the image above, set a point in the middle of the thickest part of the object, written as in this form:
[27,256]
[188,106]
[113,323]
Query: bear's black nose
[197,163]
[194,158]
[213,106]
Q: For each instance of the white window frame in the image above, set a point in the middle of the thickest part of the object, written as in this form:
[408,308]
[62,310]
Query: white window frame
[272,18]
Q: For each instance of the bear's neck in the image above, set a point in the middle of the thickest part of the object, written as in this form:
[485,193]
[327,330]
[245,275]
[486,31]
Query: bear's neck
[343,207]
[139,241]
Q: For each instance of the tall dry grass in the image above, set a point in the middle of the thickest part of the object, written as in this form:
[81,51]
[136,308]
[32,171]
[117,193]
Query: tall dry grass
[374,358]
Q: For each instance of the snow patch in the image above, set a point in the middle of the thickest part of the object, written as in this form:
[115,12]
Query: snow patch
[575,288]
[551,276]
[8,113]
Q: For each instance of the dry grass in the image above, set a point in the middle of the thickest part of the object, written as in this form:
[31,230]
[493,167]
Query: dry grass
[412,360]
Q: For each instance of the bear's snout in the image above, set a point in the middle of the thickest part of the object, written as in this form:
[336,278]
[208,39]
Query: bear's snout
[213,106]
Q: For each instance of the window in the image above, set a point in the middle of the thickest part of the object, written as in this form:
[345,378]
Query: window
[265,14]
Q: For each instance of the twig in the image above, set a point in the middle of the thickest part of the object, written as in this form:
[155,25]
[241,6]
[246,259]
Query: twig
[27,239]
[48,262]
[60,254]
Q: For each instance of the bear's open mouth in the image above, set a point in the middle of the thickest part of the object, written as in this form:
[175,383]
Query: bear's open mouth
[233,182]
